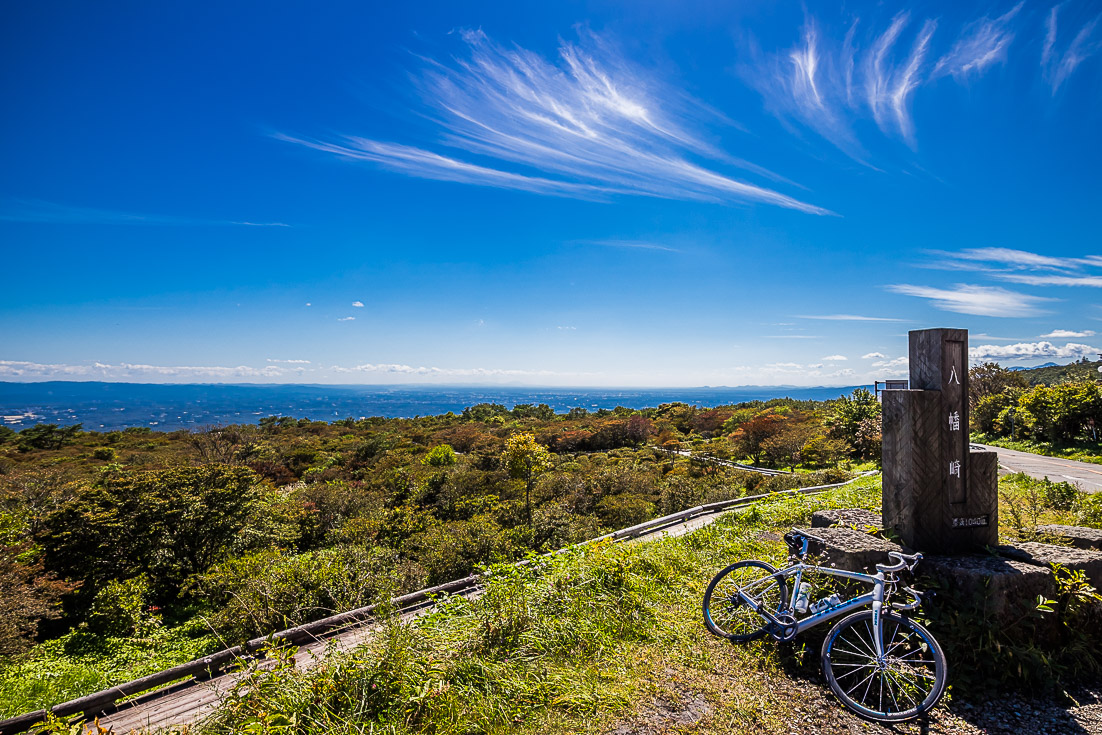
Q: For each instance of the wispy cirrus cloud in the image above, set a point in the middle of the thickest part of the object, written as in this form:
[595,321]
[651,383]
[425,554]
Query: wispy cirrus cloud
[1031,350]
[1067,334]
[628,244]
[589,124]
[979,300]
[888,87]
[849,318]
[1022,266]
[827,84]
[833,78]
[1057,64]
[981,43]
[42,212]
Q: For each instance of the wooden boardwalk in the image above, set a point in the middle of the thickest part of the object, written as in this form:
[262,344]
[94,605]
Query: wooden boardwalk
[183,701]
[188,703]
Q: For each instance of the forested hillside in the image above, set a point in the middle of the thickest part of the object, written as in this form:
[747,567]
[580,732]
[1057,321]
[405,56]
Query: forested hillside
[123,552]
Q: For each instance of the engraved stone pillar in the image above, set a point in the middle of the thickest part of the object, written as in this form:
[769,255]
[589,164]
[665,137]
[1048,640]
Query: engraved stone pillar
[938,496]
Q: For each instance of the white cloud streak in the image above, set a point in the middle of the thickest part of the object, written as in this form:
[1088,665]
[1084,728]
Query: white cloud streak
[834,358]
[889,88]
[981,43]
[587,125]
[1057,65]
[1022,266]
[849,318]
[1031,350]
[873,356]
[978,300]
[1067,334]
[40,212]
[829,84]
[629,244]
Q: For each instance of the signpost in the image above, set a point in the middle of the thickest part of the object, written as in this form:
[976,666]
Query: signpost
[939,496]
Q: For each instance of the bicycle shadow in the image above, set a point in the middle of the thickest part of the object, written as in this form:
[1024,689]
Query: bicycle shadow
[1001,714]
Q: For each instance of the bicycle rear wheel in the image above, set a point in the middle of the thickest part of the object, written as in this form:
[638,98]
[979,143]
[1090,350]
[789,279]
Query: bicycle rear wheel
[908,684]
[726,615]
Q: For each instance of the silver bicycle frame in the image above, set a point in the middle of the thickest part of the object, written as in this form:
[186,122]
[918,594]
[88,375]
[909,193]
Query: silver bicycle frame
[796,573]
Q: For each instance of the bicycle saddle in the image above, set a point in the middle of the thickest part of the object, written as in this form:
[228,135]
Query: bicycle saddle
[798,541]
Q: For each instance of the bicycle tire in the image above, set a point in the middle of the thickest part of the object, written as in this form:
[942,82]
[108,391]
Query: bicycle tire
[726,616]
[913,677]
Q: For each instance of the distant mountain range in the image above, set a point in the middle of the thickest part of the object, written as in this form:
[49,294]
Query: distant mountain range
[1051,373]
[1018,368]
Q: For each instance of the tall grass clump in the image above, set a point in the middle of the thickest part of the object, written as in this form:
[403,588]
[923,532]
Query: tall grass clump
[559,637]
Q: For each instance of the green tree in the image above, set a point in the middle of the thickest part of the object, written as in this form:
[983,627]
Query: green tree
[525,459]
[1059,413]
[991,379]
[848,421]
[168,524]
[47,436]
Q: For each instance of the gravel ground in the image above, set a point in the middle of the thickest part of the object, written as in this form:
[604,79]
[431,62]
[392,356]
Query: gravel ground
[809,709]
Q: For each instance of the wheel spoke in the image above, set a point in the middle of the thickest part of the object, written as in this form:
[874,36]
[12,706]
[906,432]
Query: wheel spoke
[907,681]
[727,613]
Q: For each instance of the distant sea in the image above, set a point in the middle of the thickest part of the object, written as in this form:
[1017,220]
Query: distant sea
[112,406]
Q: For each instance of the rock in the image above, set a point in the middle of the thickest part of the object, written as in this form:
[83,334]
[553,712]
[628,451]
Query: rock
[1002,584]
[1083,538]
[847,548]
[851,517]
[1031,552]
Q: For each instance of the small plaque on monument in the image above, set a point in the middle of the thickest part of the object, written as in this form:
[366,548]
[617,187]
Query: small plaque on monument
[939,496]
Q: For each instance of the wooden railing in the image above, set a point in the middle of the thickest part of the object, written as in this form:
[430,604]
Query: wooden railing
[209,666]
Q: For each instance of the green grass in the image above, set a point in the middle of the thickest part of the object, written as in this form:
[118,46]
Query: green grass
[80,663]
[1026,502]
[563,644]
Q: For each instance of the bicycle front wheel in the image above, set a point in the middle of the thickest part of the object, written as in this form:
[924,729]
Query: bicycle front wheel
[726,615]
[906,685]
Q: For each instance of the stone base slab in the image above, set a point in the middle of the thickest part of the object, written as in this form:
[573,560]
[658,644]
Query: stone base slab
[1001,584]
[1083,538]
[847,548]
[1031,552]
[851,517]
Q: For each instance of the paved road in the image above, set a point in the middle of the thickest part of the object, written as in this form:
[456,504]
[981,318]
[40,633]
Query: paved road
[1088,476]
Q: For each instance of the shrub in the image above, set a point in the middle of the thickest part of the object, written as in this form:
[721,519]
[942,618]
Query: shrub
[168,524]
[27,597]
[1089,511]
[626,509]
[107,454]
[440,456]
[270,590]
[121,609]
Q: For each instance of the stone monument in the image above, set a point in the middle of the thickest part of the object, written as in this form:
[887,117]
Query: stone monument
[939,496]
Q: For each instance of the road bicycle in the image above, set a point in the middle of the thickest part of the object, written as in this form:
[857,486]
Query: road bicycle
[880,664]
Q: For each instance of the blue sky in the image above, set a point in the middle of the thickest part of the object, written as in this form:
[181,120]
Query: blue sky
[655,194]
